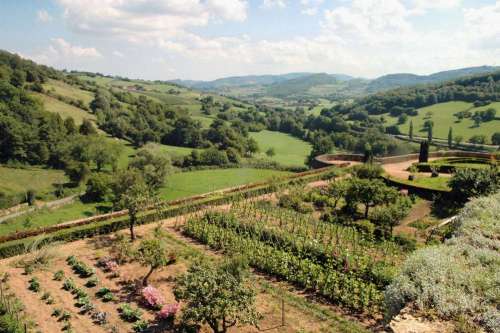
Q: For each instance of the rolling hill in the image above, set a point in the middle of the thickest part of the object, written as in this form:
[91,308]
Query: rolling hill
[322,85]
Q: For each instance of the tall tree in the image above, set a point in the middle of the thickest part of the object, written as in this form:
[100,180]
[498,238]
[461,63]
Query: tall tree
[410,134]
[450,138]
[153,253]
[429,133]
[220,296]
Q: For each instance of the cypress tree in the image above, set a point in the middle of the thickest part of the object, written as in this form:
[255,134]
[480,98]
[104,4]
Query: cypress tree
[450,138]
[410,134]
[429,133]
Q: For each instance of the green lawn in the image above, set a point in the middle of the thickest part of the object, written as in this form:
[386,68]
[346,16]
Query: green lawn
[64,110]
[179,185]
[157,148]
[442,115]
[13,180]
[64,89]
[186,184]
[289,150]
[204,120]
[47,217]
[437,183]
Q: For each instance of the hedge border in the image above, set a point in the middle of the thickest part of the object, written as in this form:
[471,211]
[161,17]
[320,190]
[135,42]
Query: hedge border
[71,232]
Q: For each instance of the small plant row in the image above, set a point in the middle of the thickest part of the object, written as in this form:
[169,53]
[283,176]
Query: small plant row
[79,267]
[342,288]
[362,266]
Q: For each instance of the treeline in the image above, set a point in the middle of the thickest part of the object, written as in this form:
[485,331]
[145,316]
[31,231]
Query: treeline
[141,120]
[480,90]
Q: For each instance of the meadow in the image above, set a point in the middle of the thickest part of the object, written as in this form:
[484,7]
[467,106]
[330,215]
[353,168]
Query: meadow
[178,185]
[443,118]
[289,151]
[64,89]
[63,109]
[20,180]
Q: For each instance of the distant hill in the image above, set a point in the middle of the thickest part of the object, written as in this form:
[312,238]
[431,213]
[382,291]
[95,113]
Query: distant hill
[392,81]
[323,85]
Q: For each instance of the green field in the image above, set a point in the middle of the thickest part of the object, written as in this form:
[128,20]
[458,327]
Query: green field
[64,110]
[47,217]
[186,184]
[13,180]
[178,185]
[67,90]
[204,120]
[289,151]
[157,148]
[442,115]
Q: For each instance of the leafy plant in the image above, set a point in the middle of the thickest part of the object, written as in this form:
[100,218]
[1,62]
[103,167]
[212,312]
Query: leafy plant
[59,275]
[140,326]
[92,282]
[34,285]
[69,284]
[128,313]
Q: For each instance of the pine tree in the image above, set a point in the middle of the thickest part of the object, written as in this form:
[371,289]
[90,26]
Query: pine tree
[450,138]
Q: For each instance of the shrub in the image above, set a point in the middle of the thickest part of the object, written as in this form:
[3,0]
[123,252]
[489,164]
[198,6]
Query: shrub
[129,313]
[365,227]
[152,297]
[92,282]
[56,312]
[140,326]
[34,285]
[59,275]
[100,318]
[460,277]
[468,183]
[69,284]
[168,311]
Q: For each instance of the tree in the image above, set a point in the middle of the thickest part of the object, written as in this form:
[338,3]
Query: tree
[98,188]
[423,157]
[153,168]
[337,190]
[479,139]
[131,193]
[410,134]
[69,124]
[450,138]
[389,216]
[470,183]
[77,172]
[87,128]
[458,140]
[429,133]
[370,193]
[270,152]
[153,253]
[495,138]
[217,295]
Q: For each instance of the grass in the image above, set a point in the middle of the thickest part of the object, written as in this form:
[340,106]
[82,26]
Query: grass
[67,90]
[156,148]
[442,116]
[433,183]
[47,217]
[289,151]
[179,185]
[13,180]
[186,184]
[205,121]
[64,110]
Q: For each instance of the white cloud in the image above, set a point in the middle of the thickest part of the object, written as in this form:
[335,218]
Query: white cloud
[43,16]
[61,53]
[137,20]
[266,4]
[118,54]
[311,7]
[421,6]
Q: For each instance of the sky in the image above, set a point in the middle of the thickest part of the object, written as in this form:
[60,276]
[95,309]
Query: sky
[209,39]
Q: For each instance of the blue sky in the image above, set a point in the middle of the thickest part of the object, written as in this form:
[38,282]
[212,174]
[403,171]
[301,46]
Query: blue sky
[207,39]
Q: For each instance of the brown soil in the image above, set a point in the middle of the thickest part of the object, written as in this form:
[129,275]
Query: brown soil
[297,319]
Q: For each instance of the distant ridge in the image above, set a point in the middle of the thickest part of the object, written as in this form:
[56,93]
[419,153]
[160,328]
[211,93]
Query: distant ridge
[323,85]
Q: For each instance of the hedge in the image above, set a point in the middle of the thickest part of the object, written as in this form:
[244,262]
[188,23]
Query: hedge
[68,233]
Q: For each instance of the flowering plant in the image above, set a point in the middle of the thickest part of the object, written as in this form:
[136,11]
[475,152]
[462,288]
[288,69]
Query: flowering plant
[168,311]
[152,297]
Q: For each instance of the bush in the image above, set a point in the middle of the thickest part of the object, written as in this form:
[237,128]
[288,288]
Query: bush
[92,282]
[460,277]
[59,275]
[34,285]
[152,297]
[367,171]
[129,313]
[468,183]
[365,227]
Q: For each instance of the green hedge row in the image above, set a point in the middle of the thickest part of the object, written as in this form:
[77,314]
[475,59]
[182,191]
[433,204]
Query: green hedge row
[16,247]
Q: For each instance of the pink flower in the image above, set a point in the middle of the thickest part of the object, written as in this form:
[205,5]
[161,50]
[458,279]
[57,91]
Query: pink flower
[168,311]
[152,297]
[110,266]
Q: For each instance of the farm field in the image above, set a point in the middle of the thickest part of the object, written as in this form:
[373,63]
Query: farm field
[442,116]
[178,185]
[14,180]
[301,314]
[289,151]
[64,89]
[323,104]
[64,110]
[184,184]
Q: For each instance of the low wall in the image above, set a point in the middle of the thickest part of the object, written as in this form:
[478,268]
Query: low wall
[335,159]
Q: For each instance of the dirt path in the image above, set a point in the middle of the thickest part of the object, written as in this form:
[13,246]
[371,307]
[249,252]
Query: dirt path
[399,170]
